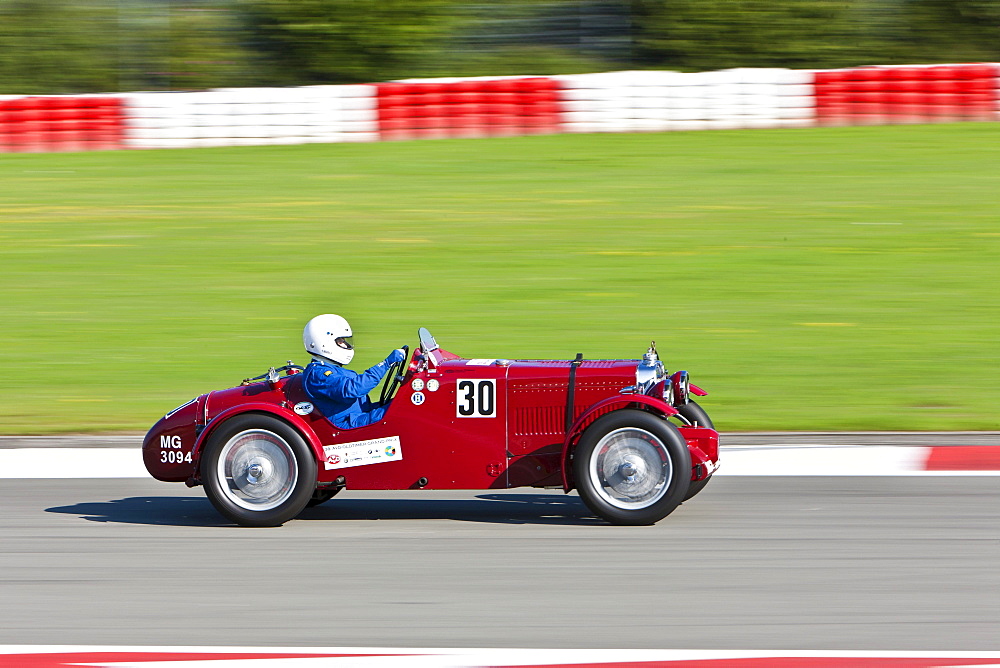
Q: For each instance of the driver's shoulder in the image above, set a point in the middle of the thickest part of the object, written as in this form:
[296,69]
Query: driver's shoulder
[316,370]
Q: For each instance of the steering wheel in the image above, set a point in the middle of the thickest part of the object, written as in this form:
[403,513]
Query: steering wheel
[394,378]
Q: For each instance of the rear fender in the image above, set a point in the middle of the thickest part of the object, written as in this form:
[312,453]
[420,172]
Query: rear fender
[599,409]
[291,418]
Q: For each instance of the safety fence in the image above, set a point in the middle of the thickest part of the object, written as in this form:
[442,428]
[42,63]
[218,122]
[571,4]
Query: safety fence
[633,101]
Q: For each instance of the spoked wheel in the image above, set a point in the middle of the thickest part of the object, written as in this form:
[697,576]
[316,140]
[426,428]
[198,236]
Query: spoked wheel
[258,471]
[696,415]
[632,467]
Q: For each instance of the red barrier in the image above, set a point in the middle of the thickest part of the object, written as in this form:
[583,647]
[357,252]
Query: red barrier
[469,108]
[933,94]
[61,123]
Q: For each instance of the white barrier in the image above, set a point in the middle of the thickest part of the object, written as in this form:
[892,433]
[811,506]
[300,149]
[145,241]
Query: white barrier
[246,116]
[657,100]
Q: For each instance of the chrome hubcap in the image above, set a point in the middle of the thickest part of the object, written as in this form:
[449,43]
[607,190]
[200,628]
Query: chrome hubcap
[631,468]
[258,469]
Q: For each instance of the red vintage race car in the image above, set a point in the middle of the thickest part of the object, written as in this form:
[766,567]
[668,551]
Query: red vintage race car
[624,433]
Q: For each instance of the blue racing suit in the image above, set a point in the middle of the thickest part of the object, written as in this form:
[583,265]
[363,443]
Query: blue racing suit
[341,395]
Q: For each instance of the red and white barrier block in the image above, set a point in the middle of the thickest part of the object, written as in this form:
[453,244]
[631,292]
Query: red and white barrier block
[481,107]
[918,94]
[61,123]
[633,101]
[659,100]
[252,116]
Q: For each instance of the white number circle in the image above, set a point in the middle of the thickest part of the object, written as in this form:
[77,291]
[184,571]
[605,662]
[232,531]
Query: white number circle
[417,384]
[417,398]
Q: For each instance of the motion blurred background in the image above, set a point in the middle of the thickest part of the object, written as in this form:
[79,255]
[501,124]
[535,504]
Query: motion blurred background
[66,46]
[810,278]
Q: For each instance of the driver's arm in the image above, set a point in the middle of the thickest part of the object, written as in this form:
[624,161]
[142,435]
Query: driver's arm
[355,385]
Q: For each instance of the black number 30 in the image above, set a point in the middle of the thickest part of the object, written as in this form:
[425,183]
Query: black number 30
[476,398]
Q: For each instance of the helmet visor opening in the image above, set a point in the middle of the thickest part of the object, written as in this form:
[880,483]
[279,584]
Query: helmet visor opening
[345,342]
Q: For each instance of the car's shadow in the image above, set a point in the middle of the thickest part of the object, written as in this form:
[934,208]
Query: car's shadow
[490,508]
[183,511]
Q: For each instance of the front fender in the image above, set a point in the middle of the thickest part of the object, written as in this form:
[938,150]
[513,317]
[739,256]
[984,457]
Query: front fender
[603,408]
[294,420]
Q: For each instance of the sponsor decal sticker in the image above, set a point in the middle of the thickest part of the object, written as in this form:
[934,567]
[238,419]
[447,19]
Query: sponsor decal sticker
[417,384]
[480,362]
[417,398]
[433,385]
[361,453]
[303,408]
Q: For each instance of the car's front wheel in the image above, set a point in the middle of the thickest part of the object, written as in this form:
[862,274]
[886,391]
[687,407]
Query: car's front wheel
[258,471]
[632,467]
[695,414]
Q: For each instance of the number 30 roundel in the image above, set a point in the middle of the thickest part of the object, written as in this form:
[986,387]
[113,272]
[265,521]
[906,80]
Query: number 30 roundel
[476,398]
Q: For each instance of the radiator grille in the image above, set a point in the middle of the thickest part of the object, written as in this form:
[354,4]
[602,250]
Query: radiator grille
[539,420]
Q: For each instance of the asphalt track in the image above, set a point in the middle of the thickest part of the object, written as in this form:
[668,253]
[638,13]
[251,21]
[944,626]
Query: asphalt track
[835,563]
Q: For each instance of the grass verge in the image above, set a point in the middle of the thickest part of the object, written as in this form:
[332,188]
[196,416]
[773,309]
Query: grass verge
[809,279]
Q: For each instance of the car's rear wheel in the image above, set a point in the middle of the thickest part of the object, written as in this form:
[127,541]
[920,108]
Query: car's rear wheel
[258,471]
[696,415]
[632,467]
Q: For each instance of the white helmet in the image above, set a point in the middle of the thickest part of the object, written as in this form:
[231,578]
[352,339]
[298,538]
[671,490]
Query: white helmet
[329,336]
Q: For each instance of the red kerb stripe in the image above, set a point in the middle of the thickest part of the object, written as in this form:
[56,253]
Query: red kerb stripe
[964,458]
[65,659]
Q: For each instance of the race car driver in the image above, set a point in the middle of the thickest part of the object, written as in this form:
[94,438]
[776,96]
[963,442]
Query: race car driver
[340,394]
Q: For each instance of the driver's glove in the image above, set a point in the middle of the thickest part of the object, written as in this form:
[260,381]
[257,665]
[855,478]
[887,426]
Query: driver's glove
[396,355]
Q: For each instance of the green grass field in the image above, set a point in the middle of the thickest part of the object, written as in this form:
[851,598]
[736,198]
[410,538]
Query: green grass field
[809,279]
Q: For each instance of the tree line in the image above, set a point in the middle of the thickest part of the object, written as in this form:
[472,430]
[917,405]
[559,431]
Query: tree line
[74,46]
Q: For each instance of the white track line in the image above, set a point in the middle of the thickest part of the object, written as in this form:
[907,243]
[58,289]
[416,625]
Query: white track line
[72,463]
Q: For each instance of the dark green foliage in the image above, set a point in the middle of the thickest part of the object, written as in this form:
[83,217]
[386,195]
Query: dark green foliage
[953,30]
[709,34]
[56,46]
[343,41]
[204,48]
[60,46]
[700,34]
